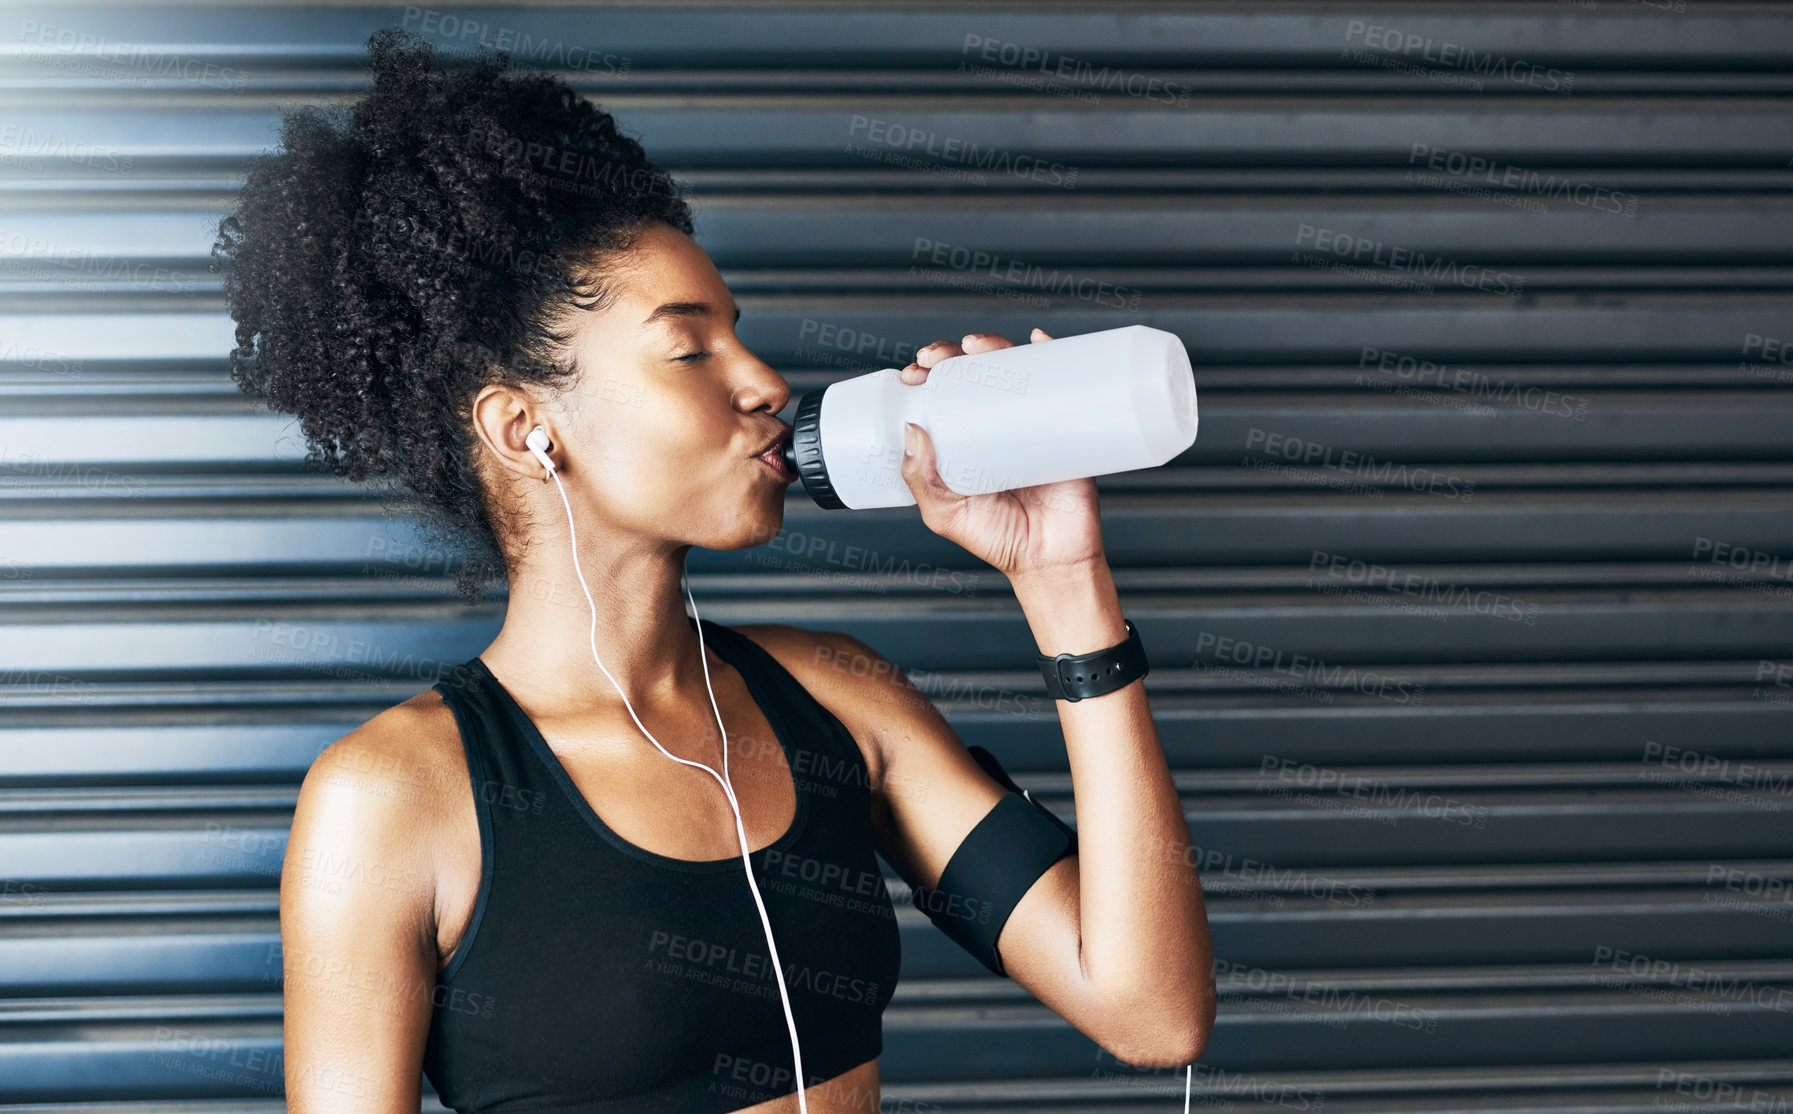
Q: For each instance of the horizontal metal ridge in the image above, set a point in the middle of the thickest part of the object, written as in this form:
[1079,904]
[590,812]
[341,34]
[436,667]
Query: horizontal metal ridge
[882,35]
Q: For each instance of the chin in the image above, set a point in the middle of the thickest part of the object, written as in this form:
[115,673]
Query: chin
[759,525]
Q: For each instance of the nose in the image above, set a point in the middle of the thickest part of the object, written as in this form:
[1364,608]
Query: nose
[763,387]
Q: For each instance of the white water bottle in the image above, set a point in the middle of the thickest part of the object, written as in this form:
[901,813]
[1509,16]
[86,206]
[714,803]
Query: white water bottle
[1089,405]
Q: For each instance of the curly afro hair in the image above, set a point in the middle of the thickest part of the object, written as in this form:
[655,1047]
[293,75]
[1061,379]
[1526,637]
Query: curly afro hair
[382,268]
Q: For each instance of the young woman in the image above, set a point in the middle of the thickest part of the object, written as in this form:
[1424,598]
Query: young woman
[529,880]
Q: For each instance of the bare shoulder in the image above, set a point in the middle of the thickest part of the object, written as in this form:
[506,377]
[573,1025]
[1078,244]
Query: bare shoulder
[407,758]
[868,693]
[392,799]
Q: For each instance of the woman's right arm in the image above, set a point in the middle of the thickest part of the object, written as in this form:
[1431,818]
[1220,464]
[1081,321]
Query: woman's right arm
[358,921]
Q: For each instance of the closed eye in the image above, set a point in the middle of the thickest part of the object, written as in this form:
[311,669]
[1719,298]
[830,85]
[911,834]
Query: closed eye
[692,356]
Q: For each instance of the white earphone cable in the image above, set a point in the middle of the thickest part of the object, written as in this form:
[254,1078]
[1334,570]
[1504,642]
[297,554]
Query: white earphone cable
[727,787]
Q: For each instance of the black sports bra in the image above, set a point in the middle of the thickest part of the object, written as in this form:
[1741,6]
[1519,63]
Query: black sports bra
[598,976]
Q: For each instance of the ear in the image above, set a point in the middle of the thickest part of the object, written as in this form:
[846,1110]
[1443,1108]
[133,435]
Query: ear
[502,419]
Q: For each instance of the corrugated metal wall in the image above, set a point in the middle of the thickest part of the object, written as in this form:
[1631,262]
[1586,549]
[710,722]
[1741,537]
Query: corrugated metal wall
[1470,612]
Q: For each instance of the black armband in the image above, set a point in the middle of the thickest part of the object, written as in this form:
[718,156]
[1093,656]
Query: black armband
[996,864]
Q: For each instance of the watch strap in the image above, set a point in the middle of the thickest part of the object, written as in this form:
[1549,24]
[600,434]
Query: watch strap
[1075,677]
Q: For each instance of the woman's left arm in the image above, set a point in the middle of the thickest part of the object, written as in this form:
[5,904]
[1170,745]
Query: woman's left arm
[1141,925]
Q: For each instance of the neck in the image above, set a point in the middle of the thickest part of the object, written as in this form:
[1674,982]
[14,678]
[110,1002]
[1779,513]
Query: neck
[643,631]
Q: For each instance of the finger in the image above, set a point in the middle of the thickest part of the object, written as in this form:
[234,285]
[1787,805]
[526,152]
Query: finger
[1039,334]
[937,351]
[985,342]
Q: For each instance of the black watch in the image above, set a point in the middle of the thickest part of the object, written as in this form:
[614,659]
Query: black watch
[1074,677]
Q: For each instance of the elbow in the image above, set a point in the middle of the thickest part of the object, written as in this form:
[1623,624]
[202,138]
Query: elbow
[1192,1035]
[1153,1038]
[1194,1038]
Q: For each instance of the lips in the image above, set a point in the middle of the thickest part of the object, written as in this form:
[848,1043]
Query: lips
[772,455]
[777,442]
[774,459]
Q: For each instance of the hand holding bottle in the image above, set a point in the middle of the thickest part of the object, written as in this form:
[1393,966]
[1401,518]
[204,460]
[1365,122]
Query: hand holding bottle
[1024,530]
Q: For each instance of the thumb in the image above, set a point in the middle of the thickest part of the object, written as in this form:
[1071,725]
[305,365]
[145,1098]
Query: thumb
[921,469]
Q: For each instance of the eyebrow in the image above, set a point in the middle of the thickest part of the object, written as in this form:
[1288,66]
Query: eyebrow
[684,309]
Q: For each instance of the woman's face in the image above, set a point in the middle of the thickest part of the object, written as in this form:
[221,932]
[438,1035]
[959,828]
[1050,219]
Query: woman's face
[659,436]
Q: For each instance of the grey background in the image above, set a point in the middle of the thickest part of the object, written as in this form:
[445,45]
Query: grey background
[1570,521]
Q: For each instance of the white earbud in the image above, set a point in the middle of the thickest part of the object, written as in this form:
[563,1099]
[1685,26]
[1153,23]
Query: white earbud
[538,444]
